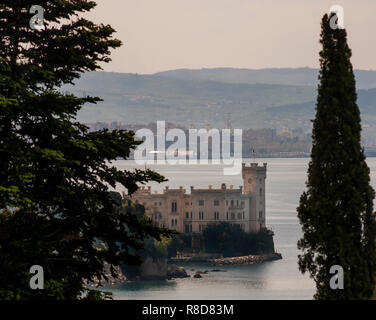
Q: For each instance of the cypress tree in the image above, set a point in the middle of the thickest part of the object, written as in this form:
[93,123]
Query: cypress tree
[336,210]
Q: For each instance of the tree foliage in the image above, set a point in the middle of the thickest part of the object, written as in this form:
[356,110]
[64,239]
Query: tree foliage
[231,240]
[55,175]
[336,211]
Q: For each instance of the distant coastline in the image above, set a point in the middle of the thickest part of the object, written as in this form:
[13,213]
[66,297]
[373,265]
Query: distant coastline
[287,155]
[369,152]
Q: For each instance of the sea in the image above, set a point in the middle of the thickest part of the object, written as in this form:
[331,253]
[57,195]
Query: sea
[276,280]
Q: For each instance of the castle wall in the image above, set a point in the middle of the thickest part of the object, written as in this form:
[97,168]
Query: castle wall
[191,212]
[208,206]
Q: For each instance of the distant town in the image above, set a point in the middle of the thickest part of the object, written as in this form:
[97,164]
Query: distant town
[256,142]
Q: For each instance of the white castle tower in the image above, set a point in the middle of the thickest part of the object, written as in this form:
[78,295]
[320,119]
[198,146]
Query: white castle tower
[254,185]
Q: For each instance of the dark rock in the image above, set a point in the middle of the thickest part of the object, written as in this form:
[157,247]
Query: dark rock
[197,275]
[108,279]
[176,272]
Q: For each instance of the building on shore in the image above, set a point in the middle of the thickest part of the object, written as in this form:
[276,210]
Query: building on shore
[191,212]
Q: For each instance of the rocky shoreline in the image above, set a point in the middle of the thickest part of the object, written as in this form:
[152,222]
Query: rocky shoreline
[250,259]
[176,272]
[121,278]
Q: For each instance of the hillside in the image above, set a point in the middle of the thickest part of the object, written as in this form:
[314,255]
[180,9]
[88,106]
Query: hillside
[286,76]
[143,98]
[268,98]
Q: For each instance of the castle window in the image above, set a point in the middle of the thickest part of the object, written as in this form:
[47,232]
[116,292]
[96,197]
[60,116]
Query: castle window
[260,214]
[187,228]
[232,202]
[190,228]
[239,216]
[201,215]
[200,202]
[174,206]
[226,202]
[216,215]
[216,203]
[187,215]
[242,203]
[227,215]
[243,215]
[232,216]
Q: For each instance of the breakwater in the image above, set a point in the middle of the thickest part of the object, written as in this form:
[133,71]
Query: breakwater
[224,261]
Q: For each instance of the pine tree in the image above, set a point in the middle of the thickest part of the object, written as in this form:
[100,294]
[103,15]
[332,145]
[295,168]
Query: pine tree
[336,211]
[55,175]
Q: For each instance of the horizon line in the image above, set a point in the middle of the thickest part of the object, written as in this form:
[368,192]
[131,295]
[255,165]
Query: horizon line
[223,68]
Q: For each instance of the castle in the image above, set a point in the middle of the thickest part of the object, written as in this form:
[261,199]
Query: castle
[191,212]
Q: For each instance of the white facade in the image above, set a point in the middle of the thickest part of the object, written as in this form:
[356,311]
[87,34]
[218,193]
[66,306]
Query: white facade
[191,212]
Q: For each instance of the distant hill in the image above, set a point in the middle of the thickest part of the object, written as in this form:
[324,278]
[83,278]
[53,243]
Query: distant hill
[142,98]
[285,76]
[267,98]
[296,115]
[366,102]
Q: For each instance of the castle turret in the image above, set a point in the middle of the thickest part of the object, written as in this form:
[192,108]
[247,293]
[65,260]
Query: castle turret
[254,184]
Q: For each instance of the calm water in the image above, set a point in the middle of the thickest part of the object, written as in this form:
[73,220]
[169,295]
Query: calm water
[271,280]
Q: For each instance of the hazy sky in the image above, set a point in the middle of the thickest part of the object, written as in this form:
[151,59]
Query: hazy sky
[160,35]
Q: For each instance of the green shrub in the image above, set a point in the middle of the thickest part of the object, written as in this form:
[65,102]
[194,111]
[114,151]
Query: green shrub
[231,240]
